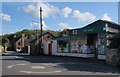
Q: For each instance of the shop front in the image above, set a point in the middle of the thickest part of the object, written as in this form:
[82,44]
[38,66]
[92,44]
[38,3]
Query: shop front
[89,41]
[83,44]
[63,46]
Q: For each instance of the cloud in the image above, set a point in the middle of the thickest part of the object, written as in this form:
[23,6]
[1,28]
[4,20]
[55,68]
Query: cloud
[83,17]
[64,25]
[66,11]
[36,25]
[106,17]
[1,34]
[5,17]
[48,10]
[44,25]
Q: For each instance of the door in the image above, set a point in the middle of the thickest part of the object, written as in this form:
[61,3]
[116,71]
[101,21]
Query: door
[91,41]
[50,48]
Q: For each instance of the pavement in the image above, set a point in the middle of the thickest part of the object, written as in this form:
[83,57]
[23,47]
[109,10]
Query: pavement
[22,64]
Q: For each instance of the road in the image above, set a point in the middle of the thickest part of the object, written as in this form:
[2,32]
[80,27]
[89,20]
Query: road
[23,64]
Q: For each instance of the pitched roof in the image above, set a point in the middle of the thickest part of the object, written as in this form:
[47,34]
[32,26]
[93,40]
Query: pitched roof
[99,23]
[40,37]
[46,33]
[16,39]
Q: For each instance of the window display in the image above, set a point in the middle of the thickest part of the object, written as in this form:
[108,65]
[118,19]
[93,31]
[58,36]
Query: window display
[101,45]
[63,46]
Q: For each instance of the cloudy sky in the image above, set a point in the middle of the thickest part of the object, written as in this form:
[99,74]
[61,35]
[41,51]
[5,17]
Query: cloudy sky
[17,16]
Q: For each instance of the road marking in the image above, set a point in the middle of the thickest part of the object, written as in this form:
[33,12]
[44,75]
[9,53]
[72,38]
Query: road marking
[15,65]
[38,67]
[40,72]
[19,57]
[50,64]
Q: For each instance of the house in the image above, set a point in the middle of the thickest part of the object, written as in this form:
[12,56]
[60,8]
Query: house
[46,42]
[19,43]
[88,42]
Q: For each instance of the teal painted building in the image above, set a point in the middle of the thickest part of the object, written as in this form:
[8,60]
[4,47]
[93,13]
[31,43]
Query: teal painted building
[90,40]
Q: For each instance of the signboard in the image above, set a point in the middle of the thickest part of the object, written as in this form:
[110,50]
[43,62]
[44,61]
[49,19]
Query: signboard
[88,30]
[112,30]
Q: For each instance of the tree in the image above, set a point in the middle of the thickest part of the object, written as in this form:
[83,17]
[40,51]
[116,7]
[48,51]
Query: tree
[32,36]
[5,41]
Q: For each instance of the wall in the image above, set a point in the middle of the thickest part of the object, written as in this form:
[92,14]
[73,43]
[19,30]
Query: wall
[1,48]
[32,49]
[113,57]
[45,48]
[54,47]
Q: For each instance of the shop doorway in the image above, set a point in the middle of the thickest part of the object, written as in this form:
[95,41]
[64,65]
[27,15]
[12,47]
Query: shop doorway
[91,42]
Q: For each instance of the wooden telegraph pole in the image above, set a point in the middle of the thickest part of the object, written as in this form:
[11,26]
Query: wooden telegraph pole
[41,25]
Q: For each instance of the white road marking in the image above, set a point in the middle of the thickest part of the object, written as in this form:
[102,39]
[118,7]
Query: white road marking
[15,65]
[54,64]
[38,67]
[40,72]
[19,57]
[49,64]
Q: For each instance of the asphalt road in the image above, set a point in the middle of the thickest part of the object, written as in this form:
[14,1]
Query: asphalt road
[23,64]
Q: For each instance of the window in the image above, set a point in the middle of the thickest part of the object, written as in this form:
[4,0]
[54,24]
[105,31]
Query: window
[63,46]
[74,31]
[18,43]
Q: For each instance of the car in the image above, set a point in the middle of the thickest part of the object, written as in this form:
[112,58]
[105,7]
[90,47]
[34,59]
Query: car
[18,49]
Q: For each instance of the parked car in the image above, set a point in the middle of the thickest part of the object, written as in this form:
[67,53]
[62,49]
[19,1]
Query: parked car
[18,49]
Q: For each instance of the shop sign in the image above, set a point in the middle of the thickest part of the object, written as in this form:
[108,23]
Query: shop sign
[88,30]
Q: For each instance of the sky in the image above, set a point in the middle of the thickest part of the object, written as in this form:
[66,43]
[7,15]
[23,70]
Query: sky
[17,16]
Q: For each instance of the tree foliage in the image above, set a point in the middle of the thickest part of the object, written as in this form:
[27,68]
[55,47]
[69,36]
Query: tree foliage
[31,34]
[5,40]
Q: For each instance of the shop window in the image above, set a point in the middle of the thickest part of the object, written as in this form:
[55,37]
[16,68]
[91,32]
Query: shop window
[63,46]
[80,46]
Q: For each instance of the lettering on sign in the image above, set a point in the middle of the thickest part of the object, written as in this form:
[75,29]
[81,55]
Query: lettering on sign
[89,30]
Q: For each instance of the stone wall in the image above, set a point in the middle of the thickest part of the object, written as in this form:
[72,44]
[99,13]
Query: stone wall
[113,57]
[1,49]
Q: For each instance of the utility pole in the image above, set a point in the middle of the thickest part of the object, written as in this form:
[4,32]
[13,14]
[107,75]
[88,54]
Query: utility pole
[41,25]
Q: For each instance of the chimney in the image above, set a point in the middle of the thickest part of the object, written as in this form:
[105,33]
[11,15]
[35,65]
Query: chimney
[23,35]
